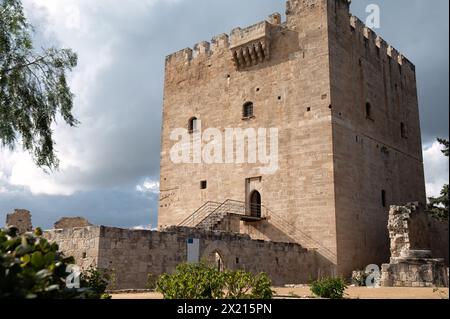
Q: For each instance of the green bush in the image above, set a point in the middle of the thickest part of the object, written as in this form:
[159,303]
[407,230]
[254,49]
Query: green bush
[200,281]
[331,288]
[31,267]
[97,280]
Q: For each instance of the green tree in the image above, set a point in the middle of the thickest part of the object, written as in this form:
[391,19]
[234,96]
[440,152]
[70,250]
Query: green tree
[33,87]
[438,207]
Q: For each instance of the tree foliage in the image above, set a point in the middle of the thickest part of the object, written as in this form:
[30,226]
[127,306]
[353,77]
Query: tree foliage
[438,206]
[33,87]
[200,281]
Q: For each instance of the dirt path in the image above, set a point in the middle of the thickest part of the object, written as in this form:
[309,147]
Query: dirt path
[352,292]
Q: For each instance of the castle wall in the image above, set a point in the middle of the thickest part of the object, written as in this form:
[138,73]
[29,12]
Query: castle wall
[290,91]
[133,255]
[81,243]
[371,154]
[426,232]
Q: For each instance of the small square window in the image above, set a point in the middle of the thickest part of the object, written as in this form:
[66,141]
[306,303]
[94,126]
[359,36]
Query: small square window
[308,109]
[237,260]
[203,184]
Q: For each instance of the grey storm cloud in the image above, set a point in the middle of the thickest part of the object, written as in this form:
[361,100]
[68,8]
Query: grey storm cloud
[118,141]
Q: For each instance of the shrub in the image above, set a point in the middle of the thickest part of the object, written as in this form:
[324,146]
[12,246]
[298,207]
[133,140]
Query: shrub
[97,280]
[200,281]
[31,267]
[192,281]
[332,288]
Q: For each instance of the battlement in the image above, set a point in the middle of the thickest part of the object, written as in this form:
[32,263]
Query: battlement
[380,44]
[251,45]
[248,45]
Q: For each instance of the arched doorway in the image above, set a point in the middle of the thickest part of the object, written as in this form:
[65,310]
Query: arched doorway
[255,204]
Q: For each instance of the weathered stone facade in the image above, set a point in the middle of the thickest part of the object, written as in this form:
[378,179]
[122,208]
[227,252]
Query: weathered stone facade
[410,265]
[71,222]
[345,103]
[133,255]
[21,219]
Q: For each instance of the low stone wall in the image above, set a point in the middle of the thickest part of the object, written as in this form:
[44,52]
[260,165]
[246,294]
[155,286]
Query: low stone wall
[134,255]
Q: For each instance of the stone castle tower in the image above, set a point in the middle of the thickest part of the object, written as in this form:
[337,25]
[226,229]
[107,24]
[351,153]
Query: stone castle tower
[345,103]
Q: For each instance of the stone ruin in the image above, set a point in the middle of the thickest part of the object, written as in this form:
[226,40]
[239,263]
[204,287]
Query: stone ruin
[20,219]
[71,222]
[410,266]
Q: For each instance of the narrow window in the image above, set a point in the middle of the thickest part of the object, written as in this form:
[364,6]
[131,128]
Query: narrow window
[247,110]
[237,260]
[403,130]
[383,198]
[369,111]
[193,125]
[203,185]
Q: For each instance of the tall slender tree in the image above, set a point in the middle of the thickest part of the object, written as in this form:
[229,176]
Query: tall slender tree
[438,207]
[33,87]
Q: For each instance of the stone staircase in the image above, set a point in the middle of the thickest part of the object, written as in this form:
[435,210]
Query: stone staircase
[212,214]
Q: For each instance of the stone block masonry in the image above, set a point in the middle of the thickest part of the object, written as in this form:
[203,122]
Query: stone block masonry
[21,219]
[345,104]
[134,255]
[410,265]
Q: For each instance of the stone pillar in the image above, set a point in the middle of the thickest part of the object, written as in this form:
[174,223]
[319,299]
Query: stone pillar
[408,267]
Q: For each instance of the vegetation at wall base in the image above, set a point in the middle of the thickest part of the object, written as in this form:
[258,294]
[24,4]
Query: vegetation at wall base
[201,281]
[330,288]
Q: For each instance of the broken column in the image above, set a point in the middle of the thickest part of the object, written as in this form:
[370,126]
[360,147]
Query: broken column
[410,267]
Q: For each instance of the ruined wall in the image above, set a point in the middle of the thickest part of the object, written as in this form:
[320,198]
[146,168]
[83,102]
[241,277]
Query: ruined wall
[132,255]
[81,243]
[71,222]
[412,264]
[21,219]
[426,232]
[288,84]
[375,156]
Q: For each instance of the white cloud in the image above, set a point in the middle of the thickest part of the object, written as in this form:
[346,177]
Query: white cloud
[436,169]
[148,187]
[144,227]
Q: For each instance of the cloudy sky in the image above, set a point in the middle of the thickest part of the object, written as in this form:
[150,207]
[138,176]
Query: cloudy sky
[110,163]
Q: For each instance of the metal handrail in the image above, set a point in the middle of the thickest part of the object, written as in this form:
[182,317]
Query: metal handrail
[212,210]
[205,209]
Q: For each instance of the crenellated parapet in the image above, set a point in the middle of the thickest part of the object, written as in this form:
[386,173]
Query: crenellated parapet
[247,47]
[380,44]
